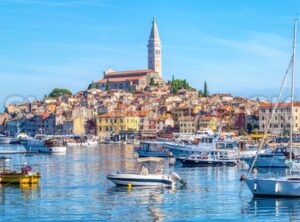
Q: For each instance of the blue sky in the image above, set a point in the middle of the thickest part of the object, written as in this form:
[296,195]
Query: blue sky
[240,47]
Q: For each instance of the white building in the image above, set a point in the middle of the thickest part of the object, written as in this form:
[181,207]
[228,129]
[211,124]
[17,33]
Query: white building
[280,124]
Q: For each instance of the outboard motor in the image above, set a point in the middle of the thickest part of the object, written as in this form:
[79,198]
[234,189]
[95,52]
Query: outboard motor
[176,177]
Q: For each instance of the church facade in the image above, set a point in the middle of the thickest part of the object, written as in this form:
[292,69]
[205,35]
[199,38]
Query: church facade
[136,79]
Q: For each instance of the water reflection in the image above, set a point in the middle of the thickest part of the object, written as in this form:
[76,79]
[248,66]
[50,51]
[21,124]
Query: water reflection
[74,187]
[274,207]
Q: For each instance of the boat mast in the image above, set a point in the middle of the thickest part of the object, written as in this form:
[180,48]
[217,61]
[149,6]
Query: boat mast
[292,89]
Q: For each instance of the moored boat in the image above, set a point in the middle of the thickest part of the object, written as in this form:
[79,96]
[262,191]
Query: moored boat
[276,158]
[146,176]
[25,176]
[152,149]
[182,150]
[45,146]
[288,185]
[214,157]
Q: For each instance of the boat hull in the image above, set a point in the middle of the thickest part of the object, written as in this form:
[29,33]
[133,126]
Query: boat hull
[267,162]
[45,149]
[195,163]
[20,178]
[152,154]
[274,187]
[140,180]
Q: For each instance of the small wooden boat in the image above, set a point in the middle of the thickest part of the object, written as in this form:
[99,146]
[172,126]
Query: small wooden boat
[25,176]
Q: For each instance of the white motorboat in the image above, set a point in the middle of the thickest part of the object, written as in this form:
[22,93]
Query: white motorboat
[87,143]
[124,179]
[288,185]
[276,158]
[73,141]
[214,157]
[44,146]
[146,177]
[181,150]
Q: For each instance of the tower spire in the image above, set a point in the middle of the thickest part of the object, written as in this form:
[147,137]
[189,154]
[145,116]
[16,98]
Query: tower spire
[154,49]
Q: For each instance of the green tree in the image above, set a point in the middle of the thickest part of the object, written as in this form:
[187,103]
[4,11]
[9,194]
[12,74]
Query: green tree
[107,86]
[90,86]
[200,93]
[172,85]
[205,90]
[130,88]
[249,127]
[242,132]
[152,82]
[59,92]
[185,85]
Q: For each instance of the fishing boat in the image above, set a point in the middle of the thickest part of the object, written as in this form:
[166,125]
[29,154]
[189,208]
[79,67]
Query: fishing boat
[152,149]
[146,176]
[213,157]
[24,176]
[47,145]
[288,185]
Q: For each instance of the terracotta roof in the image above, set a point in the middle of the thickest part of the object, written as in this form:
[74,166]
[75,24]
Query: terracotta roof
[121,79]
[282,105]
[130,72]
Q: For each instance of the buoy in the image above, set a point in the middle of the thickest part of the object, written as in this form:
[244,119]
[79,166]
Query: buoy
[129,185]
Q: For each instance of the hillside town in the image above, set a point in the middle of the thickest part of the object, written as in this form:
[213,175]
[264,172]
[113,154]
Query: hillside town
[141,104]
[148,113]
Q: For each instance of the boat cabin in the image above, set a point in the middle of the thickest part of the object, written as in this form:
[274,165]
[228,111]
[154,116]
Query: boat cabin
[5,166]
[151,146]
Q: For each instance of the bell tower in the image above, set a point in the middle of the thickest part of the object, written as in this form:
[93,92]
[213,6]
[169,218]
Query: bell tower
[154,49]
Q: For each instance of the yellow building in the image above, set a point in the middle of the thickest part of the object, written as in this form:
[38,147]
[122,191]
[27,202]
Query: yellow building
[118,121]
[79,126]
[207,122]
[197,108]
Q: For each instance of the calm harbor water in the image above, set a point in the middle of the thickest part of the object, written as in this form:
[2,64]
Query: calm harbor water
[74,188]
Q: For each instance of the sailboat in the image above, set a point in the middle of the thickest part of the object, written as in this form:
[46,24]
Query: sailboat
[287,185]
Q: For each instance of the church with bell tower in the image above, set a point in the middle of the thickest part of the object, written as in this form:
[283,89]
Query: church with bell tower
[135,80]
[154,50]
